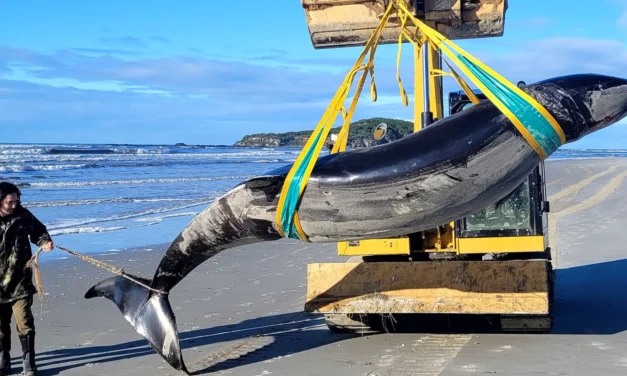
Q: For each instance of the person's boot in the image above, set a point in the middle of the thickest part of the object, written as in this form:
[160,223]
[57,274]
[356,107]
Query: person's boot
[5,356]
[28,351]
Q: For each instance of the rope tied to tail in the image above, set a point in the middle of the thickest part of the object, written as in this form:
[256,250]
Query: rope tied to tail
[33,263]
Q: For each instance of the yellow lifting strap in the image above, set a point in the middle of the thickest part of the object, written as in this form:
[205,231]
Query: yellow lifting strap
[467,90]
[532,120]
[298,176]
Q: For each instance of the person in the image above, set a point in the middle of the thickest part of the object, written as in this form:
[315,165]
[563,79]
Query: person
[17,226]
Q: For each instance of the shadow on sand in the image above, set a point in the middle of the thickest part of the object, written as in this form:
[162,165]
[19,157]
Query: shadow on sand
[589,300]
[254,340]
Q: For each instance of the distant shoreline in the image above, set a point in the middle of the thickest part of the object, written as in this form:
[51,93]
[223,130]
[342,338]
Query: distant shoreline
[202,146]
[75,150]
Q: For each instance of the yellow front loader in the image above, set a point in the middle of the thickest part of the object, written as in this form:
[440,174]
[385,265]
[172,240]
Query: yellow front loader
[496,262]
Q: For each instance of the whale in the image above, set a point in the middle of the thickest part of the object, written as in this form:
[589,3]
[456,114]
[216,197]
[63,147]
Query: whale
[453,168]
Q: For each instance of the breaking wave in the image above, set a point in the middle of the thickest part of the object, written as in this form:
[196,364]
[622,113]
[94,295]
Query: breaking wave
[162,217]
[78,222]
[133,181]
[48,204]
[85,230]
[59,167]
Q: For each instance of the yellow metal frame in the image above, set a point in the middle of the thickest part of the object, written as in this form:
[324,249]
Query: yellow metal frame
[507,287]
[389,246]
[402,246]
[505,244]
[435,93]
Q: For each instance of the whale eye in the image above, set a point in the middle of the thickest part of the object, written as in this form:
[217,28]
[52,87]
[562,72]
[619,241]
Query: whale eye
[473,175]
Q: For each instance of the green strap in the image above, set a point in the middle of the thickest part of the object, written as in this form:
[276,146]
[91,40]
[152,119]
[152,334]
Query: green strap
[536,124]
[292,196]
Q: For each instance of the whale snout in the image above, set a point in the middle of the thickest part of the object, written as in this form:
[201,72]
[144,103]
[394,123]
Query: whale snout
[608,105]
[587,102]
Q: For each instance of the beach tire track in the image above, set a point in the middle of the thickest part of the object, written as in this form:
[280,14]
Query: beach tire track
[428,356]
[587,170]
[232,356]
[256,348]
[601,195]
[572,190]
[566,173]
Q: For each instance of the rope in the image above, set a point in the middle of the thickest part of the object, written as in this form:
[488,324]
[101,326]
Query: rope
[34,264]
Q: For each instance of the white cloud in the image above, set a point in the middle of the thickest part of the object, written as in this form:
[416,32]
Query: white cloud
[622,20]
[276,94]
[540,59]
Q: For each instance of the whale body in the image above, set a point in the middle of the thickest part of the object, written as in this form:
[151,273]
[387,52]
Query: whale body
[451,169]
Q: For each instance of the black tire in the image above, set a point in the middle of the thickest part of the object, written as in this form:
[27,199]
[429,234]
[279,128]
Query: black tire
[351,323]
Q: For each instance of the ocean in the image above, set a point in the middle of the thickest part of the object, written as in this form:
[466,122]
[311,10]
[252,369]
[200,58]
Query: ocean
[105,198]
[96,199]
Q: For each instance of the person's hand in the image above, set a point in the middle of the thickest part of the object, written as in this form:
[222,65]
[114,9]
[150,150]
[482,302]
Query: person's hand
[49,246]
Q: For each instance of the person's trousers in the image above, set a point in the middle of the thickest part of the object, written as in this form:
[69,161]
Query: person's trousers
[24,320]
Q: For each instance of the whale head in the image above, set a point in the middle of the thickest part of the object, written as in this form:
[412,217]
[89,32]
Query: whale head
[588,102]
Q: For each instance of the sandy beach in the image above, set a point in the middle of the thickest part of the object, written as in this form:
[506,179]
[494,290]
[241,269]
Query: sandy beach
[240,313]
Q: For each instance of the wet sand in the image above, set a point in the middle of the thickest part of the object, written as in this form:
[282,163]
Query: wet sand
[240,313]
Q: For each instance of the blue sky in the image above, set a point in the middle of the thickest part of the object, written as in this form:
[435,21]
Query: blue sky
[210,72]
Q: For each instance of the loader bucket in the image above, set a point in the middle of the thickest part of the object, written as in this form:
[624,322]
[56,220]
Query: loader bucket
[345,23]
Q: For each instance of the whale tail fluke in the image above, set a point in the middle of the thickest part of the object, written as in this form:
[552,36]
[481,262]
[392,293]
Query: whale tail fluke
[148,312]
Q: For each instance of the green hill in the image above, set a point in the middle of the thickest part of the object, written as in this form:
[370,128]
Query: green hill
[360,134]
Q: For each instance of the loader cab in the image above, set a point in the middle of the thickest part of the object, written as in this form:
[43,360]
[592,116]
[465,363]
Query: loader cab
[516,224]
[520,216]
[459,101]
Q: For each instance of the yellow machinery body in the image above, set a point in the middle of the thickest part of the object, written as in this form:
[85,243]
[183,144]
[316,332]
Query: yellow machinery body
[495,262]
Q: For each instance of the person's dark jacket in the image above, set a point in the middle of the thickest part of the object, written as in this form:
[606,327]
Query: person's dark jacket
[17,231]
